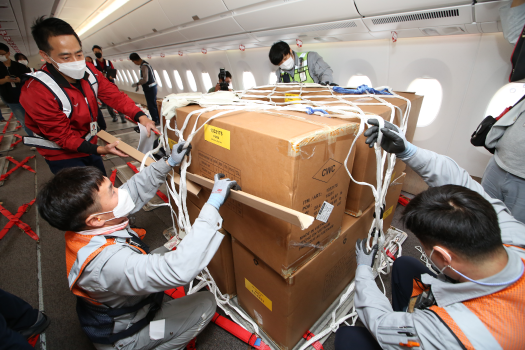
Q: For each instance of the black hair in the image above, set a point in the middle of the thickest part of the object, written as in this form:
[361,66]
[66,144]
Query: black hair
[278,51]
[4,47]
[96,47]
[67,200]
[134,56]
[91,58]
[19,56]
[457,218]
[227,74]
[42,29]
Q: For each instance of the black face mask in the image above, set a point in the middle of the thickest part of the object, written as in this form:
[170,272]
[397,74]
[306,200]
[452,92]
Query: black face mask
[98,54]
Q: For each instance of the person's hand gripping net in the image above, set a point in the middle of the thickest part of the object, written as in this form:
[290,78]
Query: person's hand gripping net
[178,153]
[393,140]
[363,256]
[221,190]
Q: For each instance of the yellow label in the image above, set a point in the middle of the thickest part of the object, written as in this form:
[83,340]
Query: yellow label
[216,135]
[388,212]
[258,294]
[393,177]
[171,143]
[291,99]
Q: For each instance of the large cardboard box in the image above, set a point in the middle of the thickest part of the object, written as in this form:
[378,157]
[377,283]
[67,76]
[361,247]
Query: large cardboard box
[286,309]
[292,159]
[221,266]
[364,170]
[392,197]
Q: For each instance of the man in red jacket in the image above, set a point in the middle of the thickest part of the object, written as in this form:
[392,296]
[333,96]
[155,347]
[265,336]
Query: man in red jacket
[61,101]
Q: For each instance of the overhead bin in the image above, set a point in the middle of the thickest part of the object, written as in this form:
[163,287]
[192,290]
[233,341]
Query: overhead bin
[381,7]
[182,11]
[447,16]
[211,27]
[149,19]
[488,11]
[315,30]
[286,13]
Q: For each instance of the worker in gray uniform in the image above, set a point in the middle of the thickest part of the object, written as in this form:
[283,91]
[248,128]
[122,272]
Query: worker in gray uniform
[474,298]
[299,67]
[504,177]
[118,284]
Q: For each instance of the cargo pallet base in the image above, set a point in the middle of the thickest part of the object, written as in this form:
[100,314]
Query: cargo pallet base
[394,236]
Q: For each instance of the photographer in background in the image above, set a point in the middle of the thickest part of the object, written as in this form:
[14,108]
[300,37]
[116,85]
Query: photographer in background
[225,81]
[10,84]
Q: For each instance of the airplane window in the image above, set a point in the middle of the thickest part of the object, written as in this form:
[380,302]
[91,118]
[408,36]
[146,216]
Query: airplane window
[167,78]
[433,92]
[191,80]
[248,80]
[207,81]
[505,97]
[130,79]
[358,80]
[120,75]
[135,76]
[125,77]
[273,78]
[157,78]
[178,80]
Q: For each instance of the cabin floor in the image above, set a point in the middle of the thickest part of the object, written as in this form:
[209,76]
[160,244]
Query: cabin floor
[36,271]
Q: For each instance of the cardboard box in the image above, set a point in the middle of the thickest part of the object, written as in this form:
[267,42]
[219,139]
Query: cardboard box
[391,200]
[221,266]
[286,309]
[364,170]
[292,159]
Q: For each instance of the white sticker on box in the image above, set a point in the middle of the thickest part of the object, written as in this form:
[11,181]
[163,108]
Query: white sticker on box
[325,211]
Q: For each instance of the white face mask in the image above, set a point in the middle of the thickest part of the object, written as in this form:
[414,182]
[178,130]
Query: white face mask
[75,70]
[470,279]
[288,64]
[124,205]
[24,62]
[3,58]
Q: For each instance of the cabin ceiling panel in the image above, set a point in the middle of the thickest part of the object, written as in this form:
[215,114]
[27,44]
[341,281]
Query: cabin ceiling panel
[382,7]
[180,11]
[149,18]
[222,27]
[296,13]
[161,40]
[235,4]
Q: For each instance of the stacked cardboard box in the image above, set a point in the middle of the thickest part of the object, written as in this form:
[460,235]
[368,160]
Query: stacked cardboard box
[285,277]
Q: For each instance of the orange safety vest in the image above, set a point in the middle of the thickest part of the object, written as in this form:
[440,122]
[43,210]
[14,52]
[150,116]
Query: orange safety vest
[501,313]
[81,250]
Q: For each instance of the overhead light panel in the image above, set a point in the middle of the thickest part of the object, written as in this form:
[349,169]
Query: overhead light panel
[102,12]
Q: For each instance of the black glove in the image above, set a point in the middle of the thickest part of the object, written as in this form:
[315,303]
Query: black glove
[362,257]
[178,153]
[393,139]
[333,84]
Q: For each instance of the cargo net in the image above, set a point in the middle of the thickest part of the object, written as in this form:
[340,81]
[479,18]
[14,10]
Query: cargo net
[280,99]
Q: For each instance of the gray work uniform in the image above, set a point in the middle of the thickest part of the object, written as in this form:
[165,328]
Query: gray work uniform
[504,177]
[319,70]
[375,310]
[121,276]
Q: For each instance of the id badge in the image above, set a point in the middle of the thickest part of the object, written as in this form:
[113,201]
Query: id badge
[302,76]
[93,128]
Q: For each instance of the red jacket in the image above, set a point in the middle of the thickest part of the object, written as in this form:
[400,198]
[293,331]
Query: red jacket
[45,117]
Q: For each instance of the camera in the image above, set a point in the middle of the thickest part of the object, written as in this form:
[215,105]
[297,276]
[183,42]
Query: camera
[224,86]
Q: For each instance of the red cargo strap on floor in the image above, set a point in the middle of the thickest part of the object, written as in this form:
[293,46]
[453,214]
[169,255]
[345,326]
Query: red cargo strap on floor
[113,177]
[15,220]
[18,165]
[159,193]
[32,341]
[19,126]
[15,162]
[17,141]
[7,123]
[309,335]
[403,200]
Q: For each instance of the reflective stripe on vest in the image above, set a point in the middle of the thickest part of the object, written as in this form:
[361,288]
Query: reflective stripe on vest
[303,68]
[64,103]
[494,321]
[152,81]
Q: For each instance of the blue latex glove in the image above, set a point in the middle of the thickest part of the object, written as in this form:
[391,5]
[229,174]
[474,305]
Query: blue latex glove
[362,256]
[361,90]
[310,110]
[178,153]
[221,190]
[393,140]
